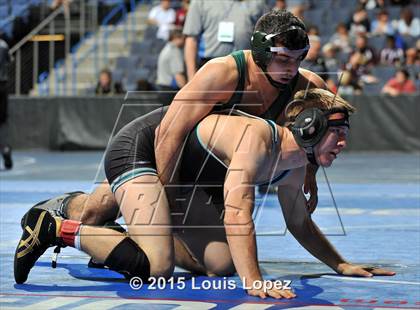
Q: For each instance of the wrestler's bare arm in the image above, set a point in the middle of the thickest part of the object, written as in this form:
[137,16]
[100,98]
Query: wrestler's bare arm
[299,222]
[213,83]
[239,202]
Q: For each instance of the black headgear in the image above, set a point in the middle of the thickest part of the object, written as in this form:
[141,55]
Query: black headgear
[261,44]
[311,125]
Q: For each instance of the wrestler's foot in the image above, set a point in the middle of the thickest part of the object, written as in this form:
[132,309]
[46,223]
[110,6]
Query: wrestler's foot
[55,206]
[39,233]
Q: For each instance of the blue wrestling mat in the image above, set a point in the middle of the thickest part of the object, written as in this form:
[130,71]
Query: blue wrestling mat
[376,222]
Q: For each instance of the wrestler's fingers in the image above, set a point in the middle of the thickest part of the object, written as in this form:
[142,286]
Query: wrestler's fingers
[257,293]
[382,272]
[274,293]
[287,293]
[262,295]
[281,293]
[362,273]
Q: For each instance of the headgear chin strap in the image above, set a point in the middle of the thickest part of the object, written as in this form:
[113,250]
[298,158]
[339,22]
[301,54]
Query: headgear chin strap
[275,83]
[311,125]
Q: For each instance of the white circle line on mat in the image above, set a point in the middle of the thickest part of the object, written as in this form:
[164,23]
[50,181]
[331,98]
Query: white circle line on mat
[369,280]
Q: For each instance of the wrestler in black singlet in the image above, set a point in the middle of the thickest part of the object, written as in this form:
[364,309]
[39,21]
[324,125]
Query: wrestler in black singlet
[131,153]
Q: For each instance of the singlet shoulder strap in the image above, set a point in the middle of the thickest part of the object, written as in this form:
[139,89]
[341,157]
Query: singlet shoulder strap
[281,101]
[236,98]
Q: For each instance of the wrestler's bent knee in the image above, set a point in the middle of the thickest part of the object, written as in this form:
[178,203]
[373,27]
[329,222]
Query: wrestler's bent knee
[129,259]
[220,268]
[162,266]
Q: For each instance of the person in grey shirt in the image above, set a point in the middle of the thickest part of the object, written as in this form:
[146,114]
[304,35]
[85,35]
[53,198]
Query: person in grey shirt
[170,68]
[217,28]
[5,149]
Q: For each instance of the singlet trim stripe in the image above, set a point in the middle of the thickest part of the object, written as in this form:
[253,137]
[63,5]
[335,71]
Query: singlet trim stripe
[275,135]
[129,175]
[205,147]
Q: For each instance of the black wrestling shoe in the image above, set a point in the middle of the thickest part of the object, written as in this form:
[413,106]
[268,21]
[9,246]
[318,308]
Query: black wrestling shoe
[38,235]
[55,206]
[7,157]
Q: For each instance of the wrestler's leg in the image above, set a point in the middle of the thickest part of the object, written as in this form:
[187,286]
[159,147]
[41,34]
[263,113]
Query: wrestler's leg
[145,209]
[184,258]
[209,252]
[150,251]
[203,239]
[42,230]
[94,209]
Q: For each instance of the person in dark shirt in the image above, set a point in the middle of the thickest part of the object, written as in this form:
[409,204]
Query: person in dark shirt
[106,86]
[5,149]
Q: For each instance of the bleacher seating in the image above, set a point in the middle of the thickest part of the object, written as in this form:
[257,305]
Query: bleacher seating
[141,62]
[12,9]
[326,18]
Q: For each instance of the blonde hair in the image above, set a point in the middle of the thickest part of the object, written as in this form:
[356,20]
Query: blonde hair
[316,98]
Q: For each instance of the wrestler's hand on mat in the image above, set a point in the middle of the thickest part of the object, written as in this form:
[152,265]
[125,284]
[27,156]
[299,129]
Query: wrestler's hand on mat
[362,271]
[274,293]
[311,187]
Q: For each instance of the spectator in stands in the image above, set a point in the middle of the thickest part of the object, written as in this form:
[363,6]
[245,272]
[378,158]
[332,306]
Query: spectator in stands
[314,60]
[106,86]
[351,79]
[298,10]
[313,30]
[329,53]
[367,53]
[391,55]
[382,25]
[217,28]
[412,55]
[5,149]
[373,4]
[181,14]
[399,84]
[359,22]
[162,16]
[280,5]
[341,38]
[407,25]
[359,72]
[144,85]
[170,70]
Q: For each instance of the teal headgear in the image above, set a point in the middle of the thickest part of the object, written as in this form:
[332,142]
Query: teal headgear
[311,125]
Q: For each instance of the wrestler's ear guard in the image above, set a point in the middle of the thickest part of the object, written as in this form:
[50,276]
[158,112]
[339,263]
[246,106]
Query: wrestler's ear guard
[260,47]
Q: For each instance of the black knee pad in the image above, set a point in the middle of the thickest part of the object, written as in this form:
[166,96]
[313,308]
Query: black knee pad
[111,225]
[128,259]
